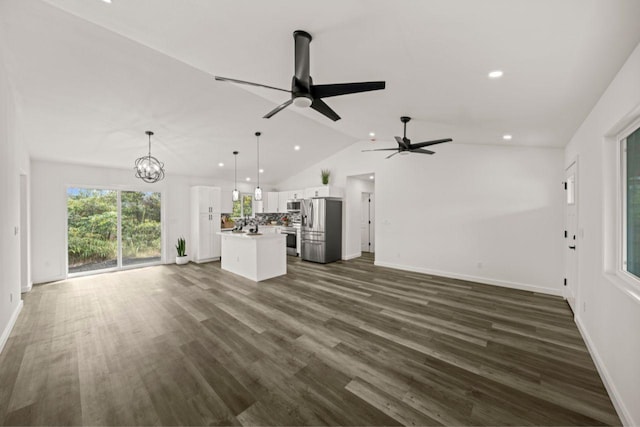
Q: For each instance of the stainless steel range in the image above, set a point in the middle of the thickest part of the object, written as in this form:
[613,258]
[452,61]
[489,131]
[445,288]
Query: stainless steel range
[293,239]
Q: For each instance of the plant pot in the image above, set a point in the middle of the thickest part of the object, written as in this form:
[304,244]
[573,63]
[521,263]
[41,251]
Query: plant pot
[182,260]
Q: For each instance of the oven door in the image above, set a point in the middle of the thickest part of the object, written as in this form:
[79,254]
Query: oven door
[292,242]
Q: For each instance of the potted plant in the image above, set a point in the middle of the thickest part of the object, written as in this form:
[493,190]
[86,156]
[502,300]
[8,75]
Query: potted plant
[181,247]
[325,174]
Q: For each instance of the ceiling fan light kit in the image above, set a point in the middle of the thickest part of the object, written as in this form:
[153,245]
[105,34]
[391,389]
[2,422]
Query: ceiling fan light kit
[148,168]
[303,92]
[405,146]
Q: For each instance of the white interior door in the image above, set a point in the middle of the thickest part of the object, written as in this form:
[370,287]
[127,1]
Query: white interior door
[366,230]
[571,233]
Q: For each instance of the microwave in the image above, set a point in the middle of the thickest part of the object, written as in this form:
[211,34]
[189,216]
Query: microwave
[293,205]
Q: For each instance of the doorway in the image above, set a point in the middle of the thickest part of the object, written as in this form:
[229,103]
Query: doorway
[367,223]
[571,232]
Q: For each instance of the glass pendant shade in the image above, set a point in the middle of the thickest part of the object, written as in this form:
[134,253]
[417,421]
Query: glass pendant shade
[235,195]
[148,168]
[257,195]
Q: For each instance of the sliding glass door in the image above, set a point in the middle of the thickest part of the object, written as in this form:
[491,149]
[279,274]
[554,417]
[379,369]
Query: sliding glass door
[112,229]
[141,231]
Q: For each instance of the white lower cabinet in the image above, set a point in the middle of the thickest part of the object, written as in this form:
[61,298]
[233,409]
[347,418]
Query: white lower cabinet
[205,242]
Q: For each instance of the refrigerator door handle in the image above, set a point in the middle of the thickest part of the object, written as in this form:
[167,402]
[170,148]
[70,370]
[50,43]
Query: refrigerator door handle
[311,214]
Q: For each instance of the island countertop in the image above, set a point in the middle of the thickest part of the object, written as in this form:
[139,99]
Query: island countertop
[260,236]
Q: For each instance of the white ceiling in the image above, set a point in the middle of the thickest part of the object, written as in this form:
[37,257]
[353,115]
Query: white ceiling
[91,77]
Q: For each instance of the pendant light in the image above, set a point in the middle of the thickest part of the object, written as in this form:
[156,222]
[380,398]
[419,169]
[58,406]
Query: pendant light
[148,168]
[235,196]
[258,194]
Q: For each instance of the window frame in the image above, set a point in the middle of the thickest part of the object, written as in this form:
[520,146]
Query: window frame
[621,269]
[240,200]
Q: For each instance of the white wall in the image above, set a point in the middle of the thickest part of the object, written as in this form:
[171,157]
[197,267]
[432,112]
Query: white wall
[12,162]
[608,308]
[48,217]
[468,204]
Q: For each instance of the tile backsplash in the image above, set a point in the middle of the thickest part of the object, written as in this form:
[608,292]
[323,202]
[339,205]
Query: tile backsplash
[267,218]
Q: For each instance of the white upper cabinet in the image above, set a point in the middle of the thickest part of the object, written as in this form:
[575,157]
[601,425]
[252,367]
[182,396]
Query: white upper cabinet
[258,206]
[283,196]
[207,199]
[272,202]
[322,191]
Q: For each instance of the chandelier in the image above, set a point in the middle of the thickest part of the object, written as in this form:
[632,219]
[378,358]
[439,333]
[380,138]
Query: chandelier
[148,168]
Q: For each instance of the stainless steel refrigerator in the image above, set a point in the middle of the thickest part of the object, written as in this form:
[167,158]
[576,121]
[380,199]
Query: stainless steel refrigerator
[321,223]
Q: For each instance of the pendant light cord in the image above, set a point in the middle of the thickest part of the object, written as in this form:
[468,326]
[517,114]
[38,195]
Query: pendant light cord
[258,154]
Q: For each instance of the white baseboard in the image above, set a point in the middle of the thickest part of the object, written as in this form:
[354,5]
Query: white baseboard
[12,321]
[618,404]
[27,288]
[352,256]
[484,280]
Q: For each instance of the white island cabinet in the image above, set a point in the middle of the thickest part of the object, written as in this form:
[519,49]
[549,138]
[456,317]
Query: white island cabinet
[258,257]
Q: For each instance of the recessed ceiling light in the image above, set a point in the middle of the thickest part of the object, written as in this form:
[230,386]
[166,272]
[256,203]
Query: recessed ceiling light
[221,164]
[297,148]
[107,1]
[261,170]
[371,177]
[496,74]
[372,134]
[507,137]
[248,178]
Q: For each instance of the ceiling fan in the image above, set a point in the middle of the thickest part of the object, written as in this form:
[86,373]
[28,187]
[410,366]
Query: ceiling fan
[405,146]
[303,92]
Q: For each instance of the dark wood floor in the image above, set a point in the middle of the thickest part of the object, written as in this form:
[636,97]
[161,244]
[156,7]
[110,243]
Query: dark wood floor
[340,344]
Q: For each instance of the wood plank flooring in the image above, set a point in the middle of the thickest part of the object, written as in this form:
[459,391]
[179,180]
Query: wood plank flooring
[341,344]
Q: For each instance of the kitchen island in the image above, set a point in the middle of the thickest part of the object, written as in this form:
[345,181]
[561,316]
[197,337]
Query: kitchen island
[256,257]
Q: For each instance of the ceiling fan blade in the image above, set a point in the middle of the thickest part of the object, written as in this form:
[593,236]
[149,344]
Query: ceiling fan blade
[301,67]
[401,142]
[242,82]
[277,109]
[391,155]
[326,91]
[323,108]
[427,143]
[421,150]
[382,149]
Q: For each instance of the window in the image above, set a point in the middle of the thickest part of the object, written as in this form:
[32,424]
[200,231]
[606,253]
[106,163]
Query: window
[111,229]
[631,203]
[243,207]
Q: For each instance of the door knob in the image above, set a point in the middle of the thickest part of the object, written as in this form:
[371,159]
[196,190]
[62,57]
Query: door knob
[572,247]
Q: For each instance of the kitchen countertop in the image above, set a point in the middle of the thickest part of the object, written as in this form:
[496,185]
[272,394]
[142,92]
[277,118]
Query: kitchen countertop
[254,236]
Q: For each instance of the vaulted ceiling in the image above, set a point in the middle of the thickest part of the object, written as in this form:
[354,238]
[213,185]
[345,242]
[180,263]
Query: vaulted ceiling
[91,77]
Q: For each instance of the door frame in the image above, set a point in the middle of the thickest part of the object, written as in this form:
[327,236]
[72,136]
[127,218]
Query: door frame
[118,189]
[567,240]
